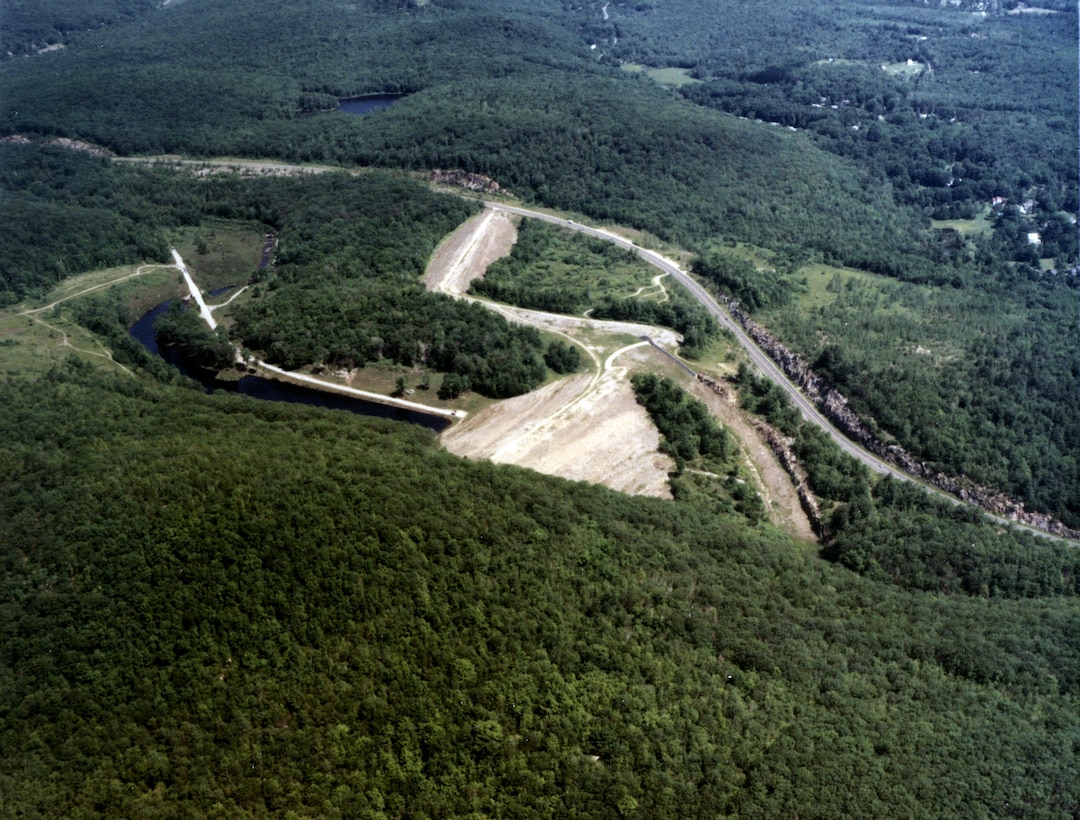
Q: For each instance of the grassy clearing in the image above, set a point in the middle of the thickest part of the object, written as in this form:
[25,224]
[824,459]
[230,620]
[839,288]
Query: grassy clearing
[36,336]
[979,226]
[759,257]
[826,284]
[907,70]
[820,283]
[149,289]
[671,77]
[560,269]
[573,260]
[605,343]
[220,254]
[866,311]
[674,77]
[26,346]
[131,277]
[721,358]
[32,345]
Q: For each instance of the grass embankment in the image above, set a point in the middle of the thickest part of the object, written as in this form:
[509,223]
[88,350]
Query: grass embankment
[36,335]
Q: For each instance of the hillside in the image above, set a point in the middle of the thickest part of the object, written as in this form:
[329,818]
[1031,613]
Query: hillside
[852,155]
[411,633]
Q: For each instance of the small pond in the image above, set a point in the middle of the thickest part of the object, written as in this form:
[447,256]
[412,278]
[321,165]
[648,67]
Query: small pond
[366,105]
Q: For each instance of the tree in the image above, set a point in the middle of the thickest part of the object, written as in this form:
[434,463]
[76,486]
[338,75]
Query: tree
[453,385]
[562,358]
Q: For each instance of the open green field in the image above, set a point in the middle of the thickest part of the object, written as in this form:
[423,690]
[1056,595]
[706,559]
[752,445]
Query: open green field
[561,270]
[36,336]
[825,284]
[131,280]
[907,69]
[571,260]
[980,225]
[32,345]
[220,254]
[672,77]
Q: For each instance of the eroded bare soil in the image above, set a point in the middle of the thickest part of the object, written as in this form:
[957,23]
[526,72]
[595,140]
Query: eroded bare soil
[583,428]
[587,427]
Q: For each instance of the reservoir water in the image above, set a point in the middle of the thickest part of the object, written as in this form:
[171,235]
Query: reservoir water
[365,105]
[271,390]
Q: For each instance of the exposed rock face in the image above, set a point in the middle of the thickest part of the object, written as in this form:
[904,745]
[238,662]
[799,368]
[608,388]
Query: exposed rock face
[79,145]
[269,248]
[470,182]
[784,449]
[61,142]
[836,409]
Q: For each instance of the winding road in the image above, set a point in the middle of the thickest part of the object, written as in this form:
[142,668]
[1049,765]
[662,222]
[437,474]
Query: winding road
[760,358]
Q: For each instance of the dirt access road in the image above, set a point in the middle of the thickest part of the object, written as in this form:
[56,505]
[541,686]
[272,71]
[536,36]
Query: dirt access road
[589,427]
[667,266]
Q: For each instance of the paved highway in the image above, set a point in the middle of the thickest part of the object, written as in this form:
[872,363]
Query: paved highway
[758,356]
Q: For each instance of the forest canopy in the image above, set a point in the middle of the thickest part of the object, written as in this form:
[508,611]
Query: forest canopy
[414,632]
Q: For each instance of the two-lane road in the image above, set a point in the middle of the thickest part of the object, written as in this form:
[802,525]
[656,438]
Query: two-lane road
[761,359]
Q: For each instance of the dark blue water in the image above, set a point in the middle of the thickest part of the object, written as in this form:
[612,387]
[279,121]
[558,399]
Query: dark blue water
[365,105]
[143,330]
[270,390]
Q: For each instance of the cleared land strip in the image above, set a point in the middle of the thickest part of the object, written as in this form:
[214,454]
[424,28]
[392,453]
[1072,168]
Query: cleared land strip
[761,359]
[587,427]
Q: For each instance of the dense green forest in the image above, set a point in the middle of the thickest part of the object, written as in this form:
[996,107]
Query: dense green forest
[415,634]
[352,326]
[484,81]
[896,533]
[950,106]
[33,25]
[214,606]
[343,290]
[706,470]
[995,399]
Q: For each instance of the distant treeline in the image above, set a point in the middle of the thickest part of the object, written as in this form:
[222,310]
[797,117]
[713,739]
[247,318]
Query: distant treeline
[950,111]
[34,25]
[513,94]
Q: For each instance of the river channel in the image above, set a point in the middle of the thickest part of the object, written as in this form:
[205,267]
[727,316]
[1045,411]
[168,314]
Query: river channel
[272,390]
